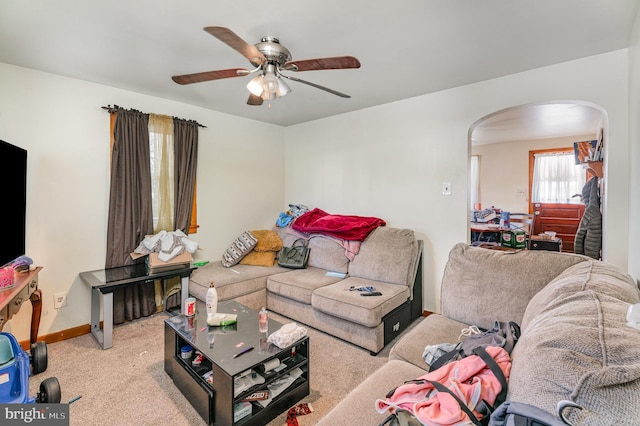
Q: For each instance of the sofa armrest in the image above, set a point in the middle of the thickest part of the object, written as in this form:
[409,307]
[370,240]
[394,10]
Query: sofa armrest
[358,406]
[432,330]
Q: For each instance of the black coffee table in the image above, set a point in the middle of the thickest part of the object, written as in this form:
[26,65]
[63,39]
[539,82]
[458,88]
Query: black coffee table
[217,401]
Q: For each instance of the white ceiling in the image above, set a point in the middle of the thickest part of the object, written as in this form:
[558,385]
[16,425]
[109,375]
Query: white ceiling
[407,48]
[539,121]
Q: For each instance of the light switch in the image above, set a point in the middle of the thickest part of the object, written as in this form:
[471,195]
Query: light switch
[446,188]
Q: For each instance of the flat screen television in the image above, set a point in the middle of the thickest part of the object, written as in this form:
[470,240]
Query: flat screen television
[13,175]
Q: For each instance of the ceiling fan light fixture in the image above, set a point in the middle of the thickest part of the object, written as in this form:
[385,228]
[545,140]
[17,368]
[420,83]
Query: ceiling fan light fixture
[268,85]
[270,80]
[274,88]
[283,88]
[255,85]
[268,57]
[267,96]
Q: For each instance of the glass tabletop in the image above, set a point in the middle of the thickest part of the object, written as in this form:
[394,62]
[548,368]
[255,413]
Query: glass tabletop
[122,273]
[136,272]
[221,343]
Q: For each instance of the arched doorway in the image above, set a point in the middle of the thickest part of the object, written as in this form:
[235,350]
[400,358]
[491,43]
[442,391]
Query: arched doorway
[501,142]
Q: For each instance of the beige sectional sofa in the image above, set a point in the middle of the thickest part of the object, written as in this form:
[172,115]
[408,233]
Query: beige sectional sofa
[389,259]
[575,343]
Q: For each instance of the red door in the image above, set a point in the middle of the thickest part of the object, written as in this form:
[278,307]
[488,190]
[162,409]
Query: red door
[564,219]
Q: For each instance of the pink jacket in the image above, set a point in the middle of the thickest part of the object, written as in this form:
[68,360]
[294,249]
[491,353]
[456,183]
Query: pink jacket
[469,378]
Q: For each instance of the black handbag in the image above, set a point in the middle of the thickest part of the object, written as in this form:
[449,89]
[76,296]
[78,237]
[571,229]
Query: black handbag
[296,256]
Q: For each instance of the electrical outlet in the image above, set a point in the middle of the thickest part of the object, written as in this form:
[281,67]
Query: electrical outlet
[446,188]
[59,300]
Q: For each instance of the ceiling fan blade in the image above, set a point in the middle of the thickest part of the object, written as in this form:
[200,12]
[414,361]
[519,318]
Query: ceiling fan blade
[231,39]
[335,63]
[317,86]
[254,100]
[209,75]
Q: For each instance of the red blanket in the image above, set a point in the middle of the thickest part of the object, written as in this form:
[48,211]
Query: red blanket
[353,228]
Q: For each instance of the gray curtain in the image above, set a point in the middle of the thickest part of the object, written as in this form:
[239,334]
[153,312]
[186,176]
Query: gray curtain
[185,142]
[130,211]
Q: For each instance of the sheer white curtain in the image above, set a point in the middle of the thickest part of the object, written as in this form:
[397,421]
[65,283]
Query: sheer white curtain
[556,178]
[474,181]
[162,181]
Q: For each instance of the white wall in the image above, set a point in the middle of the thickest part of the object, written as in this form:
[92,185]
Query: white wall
[504,170]
[66,133]
[390,161]
[634,136]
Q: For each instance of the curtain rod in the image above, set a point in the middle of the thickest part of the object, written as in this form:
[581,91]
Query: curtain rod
[115,108]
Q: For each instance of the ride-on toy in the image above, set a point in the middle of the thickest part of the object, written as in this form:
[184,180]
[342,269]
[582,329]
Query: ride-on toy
[16,368]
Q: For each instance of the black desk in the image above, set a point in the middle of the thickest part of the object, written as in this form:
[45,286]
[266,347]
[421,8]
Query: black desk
[104,281]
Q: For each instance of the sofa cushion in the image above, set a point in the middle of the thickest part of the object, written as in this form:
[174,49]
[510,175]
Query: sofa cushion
[285,235]
[478,285]
[432,330]
[298,284]
[324,252]
[327,253]
[337,300]
[238,249]
[575,345]
[389,255]
[230,282]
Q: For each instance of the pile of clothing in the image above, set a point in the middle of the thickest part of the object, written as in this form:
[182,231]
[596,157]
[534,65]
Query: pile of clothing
[168,245]
[294,212]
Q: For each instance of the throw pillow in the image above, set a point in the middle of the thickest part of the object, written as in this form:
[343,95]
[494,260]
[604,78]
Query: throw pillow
[259,258]
[239,249]
[268,240]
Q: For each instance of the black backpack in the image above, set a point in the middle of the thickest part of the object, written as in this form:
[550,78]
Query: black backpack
[503,334]
[512,413]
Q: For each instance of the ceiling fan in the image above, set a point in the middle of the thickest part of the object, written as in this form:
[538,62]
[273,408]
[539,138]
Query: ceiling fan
[269,59]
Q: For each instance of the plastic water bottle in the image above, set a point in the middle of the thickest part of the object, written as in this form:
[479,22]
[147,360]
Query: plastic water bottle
[263,321]
[212,299]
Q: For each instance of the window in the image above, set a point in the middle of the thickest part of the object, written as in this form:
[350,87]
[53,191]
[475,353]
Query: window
[556,178]
[162,176]
[161,154]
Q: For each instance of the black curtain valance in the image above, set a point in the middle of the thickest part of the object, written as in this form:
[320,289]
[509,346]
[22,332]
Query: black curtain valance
[116,108]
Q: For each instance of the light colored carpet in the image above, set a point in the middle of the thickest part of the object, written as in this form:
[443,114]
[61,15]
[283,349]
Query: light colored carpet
[127,385]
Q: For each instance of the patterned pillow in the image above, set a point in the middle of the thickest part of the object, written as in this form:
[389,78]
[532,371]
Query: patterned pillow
[239,249]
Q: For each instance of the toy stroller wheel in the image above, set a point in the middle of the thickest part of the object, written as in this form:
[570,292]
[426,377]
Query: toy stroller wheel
[49,391]
[39,357]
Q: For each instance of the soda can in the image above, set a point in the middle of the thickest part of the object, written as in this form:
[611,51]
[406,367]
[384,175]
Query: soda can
[190,307]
